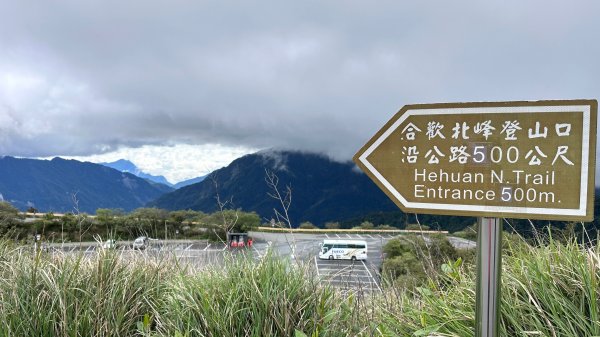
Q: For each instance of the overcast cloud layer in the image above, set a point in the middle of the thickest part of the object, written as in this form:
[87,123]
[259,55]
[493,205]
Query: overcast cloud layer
[81,79]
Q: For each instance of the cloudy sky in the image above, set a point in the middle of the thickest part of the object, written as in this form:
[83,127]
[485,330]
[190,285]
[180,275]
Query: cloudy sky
[178,86]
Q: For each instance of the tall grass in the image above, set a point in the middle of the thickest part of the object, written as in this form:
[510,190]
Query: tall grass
[74,296]
[248,298]
[550,289]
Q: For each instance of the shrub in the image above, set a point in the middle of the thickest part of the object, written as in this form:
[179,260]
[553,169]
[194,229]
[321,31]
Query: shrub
[417,227]
[307,225]
[386,227]
[366,225]
[332,225]
[411,258]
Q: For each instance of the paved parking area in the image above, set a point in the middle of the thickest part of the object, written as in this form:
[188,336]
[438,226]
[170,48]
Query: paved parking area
[357,236]
[343,274]
[197,254]
[364,275]
[299,247]
[347,275]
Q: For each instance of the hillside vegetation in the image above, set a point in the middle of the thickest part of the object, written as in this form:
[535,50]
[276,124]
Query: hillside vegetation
[549,289]
[322,190]
[60,185]
[116,224]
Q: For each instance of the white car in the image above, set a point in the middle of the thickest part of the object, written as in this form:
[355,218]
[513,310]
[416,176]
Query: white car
[109,244]
[140,243]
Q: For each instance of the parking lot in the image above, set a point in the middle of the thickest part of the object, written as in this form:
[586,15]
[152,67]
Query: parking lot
[347,275]
[197,254]
[360,275]
[343,274]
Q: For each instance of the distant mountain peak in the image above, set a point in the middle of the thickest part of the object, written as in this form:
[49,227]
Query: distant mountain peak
[50,184]
[125,162]
[125,165]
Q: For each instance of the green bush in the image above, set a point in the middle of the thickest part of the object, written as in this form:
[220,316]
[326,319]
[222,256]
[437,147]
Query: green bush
[366,225]
[417,227]
[332,225]
[411,260]
[547,290]
[307,225]
[386,227]
[469,233]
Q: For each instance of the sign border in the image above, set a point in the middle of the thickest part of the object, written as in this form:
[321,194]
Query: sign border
[585,212]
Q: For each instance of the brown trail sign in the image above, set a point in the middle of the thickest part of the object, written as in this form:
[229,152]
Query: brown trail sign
[530,160]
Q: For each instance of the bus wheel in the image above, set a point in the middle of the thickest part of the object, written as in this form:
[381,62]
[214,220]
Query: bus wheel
[353,258]
[331,257]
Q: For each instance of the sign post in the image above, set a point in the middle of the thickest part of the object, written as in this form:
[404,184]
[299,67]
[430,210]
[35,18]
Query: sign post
[489,269]
[493,160]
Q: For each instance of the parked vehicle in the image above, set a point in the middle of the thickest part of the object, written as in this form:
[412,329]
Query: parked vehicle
[140,243]
[109,244]
[343,249]
[238,240]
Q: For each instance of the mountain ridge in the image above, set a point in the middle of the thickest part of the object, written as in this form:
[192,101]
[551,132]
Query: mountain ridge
[322,189]
[61,185]
[125,165]
[189,182]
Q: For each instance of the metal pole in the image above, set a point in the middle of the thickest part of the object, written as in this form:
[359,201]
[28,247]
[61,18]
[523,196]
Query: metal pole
[489,267]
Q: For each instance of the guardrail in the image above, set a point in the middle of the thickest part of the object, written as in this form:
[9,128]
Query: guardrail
[345,231]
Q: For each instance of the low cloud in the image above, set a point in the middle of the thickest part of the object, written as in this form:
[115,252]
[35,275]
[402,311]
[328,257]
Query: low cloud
[81,78]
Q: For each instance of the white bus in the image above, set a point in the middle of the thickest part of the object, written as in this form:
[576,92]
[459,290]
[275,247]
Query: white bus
[343,250]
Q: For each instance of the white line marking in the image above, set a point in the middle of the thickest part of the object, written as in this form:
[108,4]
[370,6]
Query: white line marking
[348,235]
[339,237]
[355,273]
[371,275]
[201,250]
[359,236]
[257,251]
[327,236]
[332,280]
[207,247]
[188,247]
[317,265]
[369,235]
